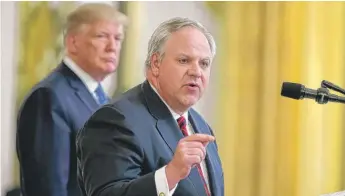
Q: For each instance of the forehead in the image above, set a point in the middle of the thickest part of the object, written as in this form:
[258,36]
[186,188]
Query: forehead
[103,25]
[188,40]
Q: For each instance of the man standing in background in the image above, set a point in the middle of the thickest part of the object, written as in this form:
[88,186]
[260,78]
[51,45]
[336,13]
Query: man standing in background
[58,106]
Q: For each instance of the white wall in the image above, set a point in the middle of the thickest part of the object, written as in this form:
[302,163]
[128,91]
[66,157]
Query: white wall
[8,70]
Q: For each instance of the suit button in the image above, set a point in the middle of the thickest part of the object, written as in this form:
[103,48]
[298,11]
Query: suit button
[161,194]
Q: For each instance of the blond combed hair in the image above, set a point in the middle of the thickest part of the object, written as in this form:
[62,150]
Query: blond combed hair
[90,13]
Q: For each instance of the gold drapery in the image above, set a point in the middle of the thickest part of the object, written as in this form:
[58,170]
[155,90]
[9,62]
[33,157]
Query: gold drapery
[272,145]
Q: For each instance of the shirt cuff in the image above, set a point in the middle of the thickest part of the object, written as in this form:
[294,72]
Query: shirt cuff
[161,181]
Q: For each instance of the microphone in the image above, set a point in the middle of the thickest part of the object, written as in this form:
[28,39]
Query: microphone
[299,91]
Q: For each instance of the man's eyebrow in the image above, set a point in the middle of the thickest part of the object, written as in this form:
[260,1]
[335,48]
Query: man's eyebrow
[206,59]
[186,55]
[182,54]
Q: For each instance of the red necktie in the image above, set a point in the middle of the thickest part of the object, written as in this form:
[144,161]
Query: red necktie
[183,126]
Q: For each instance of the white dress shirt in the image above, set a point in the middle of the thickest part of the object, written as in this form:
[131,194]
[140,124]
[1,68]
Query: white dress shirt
[160,175]
[90,83]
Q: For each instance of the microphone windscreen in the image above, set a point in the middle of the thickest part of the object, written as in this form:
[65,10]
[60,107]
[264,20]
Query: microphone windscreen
[291,90]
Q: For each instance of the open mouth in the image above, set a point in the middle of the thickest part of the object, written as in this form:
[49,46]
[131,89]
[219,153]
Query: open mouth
[193,85]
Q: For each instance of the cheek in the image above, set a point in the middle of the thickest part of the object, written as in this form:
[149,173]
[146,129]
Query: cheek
[86,49]
[96,47]
[119,46]
[205,79]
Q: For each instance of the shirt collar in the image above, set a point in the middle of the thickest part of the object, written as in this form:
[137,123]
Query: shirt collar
[88,81]
[174,114]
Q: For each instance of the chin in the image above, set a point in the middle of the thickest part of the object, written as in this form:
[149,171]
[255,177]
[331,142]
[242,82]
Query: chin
[110,68]
[190,101]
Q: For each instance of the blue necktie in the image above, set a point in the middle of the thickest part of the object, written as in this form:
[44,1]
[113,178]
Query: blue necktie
[101,96]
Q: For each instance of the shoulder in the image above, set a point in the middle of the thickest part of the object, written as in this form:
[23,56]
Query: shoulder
[122,108]
[125,113]
[53,82]
[113,120]
[46,92]
[129,103]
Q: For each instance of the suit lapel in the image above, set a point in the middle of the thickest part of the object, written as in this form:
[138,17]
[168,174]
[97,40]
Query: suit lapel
[85,96]
[168,129]
[166,125]
[80,89]
[171,134]
[201,128]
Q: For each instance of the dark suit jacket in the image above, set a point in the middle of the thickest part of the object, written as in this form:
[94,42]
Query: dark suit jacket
[51,114]
[124,143]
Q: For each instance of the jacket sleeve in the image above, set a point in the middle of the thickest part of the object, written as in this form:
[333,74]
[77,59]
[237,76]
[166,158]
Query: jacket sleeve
[110,157]
[43,145]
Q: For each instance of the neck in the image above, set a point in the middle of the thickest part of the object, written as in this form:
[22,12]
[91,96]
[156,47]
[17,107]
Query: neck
[80,64]
[176,107]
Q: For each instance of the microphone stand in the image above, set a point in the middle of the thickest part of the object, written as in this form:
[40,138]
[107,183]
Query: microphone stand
[323,95]
[325,85]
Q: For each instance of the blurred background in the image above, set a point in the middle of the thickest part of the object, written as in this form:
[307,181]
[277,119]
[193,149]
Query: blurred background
[269,145]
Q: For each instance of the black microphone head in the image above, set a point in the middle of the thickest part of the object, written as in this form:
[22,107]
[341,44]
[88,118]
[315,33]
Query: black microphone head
[292,90]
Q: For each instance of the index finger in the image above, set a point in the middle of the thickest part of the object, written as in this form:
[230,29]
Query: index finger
[204,138]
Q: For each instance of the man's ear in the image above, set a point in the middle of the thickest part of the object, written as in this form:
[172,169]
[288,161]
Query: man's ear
[155,64]
[71,41]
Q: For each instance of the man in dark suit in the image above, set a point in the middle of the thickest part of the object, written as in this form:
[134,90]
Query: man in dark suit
[150,141]
[58,106]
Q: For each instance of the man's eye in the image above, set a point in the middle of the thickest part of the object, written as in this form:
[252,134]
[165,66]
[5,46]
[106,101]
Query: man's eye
[100,35]
[118,38]
[205,64]
[183,61]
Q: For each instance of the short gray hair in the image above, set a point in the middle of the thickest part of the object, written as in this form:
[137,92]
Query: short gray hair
[165,29]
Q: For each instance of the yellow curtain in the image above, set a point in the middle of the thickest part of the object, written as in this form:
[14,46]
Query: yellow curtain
[270,145]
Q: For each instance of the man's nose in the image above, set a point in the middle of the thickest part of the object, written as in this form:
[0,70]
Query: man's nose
[195,70]
[112,45]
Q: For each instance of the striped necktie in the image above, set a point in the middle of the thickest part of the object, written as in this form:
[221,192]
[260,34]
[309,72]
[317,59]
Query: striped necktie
[101,96]
[183,126]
